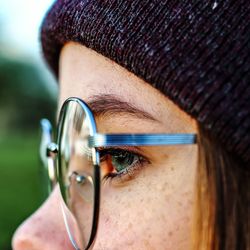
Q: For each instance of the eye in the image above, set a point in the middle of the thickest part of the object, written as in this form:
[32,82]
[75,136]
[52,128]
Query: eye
[122,160]
[120,163]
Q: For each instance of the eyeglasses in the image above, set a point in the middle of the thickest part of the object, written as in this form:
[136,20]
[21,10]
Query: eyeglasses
[75,163]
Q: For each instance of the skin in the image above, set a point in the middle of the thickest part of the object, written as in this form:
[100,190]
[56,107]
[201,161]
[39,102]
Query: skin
[152,210]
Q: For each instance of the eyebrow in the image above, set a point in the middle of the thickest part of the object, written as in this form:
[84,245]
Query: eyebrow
[102,105]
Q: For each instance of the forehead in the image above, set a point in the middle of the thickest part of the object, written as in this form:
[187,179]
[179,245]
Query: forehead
[84,73]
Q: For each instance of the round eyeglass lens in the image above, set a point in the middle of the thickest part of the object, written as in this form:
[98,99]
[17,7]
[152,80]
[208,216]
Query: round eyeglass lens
[78,172]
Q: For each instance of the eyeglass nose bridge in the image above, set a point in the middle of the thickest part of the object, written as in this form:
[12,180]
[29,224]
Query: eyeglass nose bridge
[51,152]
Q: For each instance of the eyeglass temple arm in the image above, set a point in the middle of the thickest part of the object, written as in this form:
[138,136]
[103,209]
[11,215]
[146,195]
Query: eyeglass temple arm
[48,150]
[46,138]
[101,140]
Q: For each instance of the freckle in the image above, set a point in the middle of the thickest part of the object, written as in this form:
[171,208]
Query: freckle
[185,194]
[130,243]
[165,183]
[37,234]
[170,234]
[53,232]
[165,155]
[179,203]
[62,243]
[146,243]
[167,197]
[37,219]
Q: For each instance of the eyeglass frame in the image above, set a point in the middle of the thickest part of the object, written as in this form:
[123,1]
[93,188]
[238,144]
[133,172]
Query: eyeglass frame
[50,150]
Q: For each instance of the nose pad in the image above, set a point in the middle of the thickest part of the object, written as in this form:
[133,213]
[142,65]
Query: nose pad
[44,229]
[83,184]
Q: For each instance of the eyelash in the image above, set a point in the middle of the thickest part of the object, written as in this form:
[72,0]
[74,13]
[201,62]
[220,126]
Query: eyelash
[127,173]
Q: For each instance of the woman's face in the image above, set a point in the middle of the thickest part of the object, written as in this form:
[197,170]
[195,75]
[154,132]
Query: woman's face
[153,208]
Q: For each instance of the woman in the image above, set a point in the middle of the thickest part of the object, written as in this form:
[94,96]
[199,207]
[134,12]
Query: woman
[172,68]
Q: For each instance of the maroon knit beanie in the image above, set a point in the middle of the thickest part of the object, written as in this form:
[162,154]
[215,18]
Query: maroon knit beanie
[195,52]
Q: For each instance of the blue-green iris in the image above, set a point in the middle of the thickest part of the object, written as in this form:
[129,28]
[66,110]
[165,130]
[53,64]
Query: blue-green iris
[122,160]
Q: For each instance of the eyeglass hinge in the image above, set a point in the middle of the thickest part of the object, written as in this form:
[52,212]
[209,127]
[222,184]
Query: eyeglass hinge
[52,149]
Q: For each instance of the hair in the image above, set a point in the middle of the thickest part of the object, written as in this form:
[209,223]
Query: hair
[223,198]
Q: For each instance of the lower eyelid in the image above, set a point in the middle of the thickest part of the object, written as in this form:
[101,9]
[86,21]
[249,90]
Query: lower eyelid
[122,178]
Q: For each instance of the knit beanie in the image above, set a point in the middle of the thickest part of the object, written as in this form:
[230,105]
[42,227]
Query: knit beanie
[195,52]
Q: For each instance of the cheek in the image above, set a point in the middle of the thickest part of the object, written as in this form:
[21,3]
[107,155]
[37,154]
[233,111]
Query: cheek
[148,213]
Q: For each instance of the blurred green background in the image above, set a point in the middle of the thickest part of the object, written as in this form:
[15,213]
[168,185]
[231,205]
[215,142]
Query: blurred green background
[27,94]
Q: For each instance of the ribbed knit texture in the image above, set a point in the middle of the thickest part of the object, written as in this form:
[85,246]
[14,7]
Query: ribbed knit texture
[195,52]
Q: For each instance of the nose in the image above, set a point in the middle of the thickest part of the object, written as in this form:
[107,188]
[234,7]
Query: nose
[45,229]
